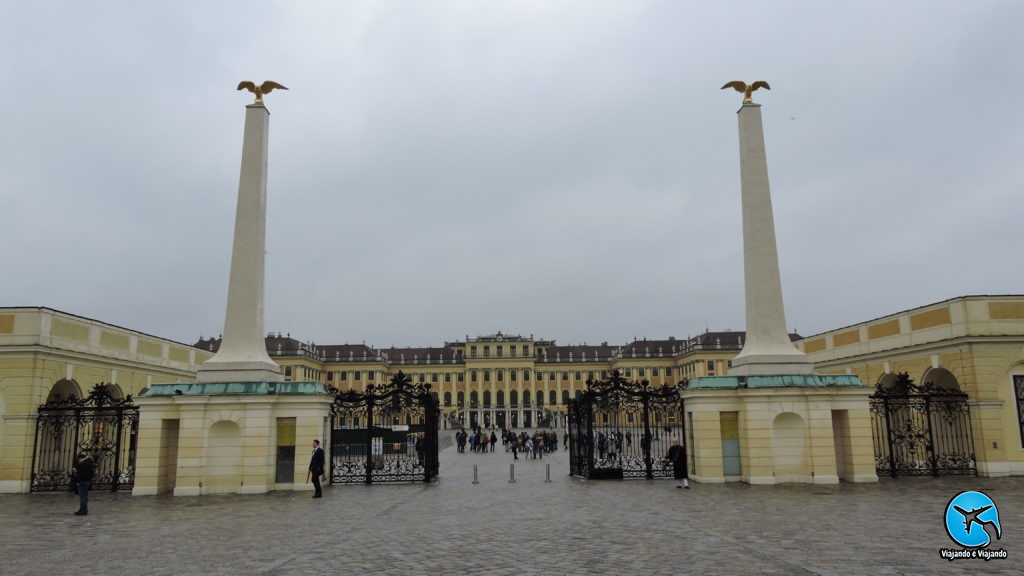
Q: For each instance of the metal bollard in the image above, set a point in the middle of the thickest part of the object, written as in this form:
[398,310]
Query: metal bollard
[475,480]
[511,473]
[547,473]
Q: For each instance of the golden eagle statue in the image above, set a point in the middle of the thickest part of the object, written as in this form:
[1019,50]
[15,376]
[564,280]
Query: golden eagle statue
[260,90]
[747,89]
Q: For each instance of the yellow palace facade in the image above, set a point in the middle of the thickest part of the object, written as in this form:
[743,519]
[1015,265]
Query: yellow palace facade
[499,379]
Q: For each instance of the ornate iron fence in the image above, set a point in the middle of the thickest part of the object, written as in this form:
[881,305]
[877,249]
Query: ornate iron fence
[921,430]
[101,425]
[386,434]
[621,429]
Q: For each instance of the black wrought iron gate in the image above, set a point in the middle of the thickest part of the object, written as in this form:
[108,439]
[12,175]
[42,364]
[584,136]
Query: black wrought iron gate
[385,434]
[921,430]
[621,429]
[101,425]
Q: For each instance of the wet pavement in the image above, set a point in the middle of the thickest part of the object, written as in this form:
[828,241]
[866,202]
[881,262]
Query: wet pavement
[530,527]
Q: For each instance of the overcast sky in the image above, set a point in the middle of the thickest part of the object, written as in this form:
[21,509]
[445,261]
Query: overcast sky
[563,169]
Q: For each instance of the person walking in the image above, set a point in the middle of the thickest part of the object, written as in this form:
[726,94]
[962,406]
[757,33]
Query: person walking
[677,456]
[83,471]
[316,468]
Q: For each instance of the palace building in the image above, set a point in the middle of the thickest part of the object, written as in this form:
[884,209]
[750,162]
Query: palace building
[974,344]
[500,379]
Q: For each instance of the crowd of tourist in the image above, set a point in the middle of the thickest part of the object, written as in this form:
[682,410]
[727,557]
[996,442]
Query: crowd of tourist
[534,445]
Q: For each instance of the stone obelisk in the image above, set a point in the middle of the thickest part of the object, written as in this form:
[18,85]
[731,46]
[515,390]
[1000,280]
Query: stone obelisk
[767,350]
[242,356]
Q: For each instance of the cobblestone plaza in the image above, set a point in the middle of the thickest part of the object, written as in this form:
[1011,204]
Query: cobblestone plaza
[530,527]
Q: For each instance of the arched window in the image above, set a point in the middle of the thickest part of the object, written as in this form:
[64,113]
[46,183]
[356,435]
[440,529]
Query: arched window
[500,398]
[553,397]
[540,397]
[579,393]
[487,397]
[461,398]
[447,398]
[513,397]
[565,396]
[473,398]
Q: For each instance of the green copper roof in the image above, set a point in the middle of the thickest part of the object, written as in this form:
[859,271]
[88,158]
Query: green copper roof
[238,388]
[783,381]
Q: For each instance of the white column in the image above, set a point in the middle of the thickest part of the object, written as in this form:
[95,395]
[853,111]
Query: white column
[767,349]
[242,356]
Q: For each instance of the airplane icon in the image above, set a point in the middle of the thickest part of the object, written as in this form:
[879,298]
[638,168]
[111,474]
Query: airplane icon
[972,518]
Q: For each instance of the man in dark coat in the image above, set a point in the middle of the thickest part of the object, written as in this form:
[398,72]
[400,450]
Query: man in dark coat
[84,471]
[677,456]
[316,467]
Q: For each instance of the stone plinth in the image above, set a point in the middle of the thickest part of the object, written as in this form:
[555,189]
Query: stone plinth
[225,438]
[799,428]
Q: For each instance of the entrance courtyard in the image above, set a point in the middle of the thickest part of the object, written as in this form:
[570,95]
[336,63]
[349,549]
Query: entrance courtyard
[530,527]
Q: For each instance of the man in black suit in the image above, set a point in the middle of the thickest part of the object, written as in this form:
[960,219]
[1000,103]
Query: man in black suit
[316,467]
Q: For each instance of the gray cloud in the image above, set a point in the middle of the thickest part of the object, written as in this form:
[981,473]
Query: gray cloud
[564,169]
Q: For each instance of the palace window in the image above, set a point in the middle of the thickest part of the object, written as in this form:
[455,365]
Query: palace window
[499,350]
[487,351]
[578,376]
[287,370]
[423,378]
[654,372]
[447,398]
[553,397]
[487,375]
[565,376]
[501,375]
[370,375]
[512,375]
[343,375]
[355,375]
[433,377]
[462,376]
[447,376]
[565,396]
[526,375]
[551,376]
[629,372]
[643,372]
[330,375]
[526,350]
[711,365]
[472,376]
[472,351]
[590,374]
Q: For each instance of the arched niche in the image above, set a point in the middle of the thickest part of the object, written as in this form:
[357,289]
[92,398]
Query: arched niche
[64,389]
[223,458]
[789,447]
[940,378]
